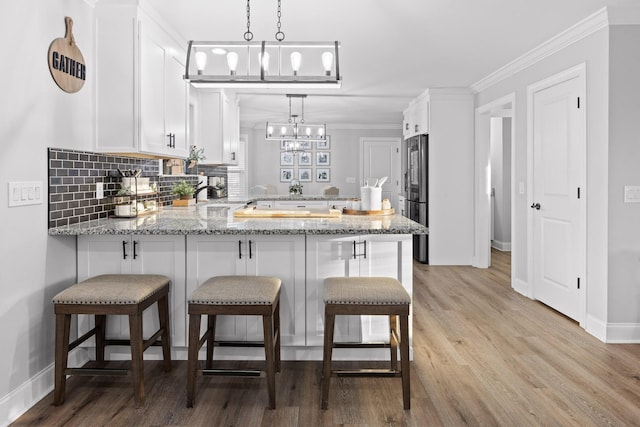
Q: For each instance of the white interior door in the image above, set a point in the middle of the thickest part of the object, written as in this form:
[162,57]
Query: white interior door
[381,157]
[558,149]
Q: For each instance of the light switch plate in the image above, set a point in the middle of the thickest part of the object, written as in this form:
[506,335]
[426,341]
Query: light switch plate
[632,194]
[99,190]
[25,193]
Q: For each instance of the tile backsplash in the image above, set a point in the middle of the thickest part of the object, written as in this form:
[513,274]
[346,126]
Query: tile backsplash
[73,176]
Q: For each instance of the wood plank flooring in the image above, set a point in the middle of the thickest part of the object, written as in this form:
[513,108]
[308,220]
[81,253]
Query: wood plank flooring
[483,355]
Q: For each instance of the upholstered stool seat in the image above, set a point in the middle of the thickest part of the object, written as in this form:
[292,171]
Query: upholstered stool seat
[234,295]
[368,296]
[111,294]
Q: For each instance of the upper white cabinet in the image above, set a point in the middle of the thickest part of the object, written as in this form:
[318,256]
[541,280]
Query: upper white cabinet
[140,92]
[217,125]
[416,117]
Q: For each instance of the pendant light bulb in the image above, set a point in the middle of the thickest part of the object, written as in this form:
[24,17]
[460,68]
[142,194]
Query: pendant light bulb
[263,61]
[327,62]
[270,131]
[201,61]
[232,62]
[321,131]
[308,131]
[283,131]
[296,60]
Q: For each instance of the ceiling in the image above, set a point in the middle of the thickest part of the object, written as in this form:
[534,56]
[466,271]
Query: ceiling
[391,50]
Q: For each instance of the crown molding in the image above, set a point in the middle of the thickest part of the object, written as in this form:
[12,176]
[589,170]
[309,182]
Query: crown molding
[571,35]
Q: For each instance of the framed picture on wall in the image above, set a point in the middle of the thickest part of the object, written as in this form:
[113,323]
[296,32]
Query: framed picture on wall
[324,145]
[286,174]
[305,145]
[286,158]
[304,159]
[323,158]
[304,175]
[323,174]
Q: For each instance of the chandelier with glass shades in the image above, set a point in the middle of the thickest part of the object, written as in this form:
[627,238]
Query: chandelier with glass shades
[263,64]
[297,135]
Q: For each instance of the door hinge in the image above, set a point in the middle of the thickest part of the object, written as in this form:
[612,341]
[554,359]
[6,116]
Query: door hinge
[578,283]
[578,102]
[578,192]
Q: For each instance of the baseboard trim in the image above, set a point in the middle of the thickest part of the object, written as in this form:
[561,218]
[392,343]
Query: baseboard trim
[522,287]
[623,333]
[501,246]
[17,402]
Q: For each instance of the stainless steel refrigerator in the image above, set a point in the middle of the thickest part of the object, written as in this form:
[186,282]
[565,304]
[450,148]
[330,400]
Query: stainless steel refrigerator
[417,192]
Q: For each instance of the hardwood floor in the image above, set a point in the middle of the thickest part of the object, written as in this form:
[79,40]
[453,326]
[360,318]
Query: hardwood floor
[483,355]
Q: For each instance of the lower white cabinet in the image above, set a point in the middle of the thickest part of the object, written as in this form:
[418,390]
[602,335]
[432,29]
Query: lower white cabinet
[347,256]
[122,254]
[274,255]
[300,204]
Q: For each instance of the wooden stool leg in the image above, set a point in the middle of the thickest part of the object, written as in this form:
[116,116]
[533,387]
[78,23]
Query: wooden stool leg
[267,325]
[163,317]
[329,320]
[211,339]
[137,367]
[276,322]
[101,333]
[192,363]
[63,324]
[393,341]
[404,360]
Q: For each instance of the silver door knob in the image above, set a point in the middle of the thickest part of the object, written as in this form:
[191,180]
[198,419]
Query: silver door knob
[536,206]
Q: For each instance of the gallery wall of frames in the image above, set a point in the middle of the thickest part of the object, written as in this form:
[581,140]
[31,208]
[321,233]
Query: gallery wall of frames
[311,163]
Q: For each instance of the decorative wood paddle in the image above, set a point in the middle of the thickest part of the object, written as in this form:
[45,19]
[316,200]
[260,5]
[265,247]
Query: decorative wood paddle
[66,62]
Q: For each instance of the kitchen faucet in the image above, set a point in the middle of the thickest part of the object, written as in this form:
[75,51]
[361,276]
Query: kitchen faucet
[199,189]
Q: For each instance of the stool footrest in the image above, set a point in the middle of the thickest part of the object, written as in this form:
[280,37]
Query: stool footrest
[239,343]
[231,372]
[95,371]
[365,373]
[127,343]
[361,345]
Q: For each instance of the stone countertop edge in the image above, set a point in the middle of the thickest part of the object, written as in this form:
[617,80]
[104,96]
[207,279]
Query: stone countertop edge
[276,197]
[186,221]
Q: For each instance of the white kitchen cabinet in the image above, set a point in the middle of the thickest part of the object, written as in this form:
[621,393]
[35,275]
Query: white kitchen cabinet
[217,126]
[337,204]
[122,254]
[280,256]
[140,91]
[265,203]
[415,119]
[352,256]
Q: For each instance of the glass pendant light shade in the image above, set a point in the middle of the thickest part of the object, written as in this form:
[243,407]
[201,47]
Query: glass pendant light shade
[263,60]
[201,61]
[296,61]
[232,62]
[327,62]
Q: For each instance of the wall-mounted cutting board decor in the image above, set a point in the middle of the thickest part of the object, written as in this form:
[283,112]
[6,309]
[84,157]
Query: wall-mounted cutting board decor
[66,62]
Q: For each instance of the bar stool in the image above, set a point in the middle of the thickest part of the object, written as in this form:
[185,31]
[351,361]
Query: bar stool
[234,295]
[110,294]
[367,296]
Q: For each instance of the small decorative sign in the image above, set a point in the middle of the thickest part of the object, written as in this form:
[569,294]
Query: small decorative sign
[66,62]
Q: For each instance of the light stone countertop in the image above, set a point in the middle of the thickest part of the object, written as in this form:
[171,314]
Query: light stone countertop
[213,218]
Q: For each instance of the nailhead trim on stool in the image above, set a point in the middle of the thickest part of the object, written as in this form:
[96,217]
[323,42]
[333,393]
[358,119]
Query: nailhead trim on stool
[368,296]
[111,294]
[234,295]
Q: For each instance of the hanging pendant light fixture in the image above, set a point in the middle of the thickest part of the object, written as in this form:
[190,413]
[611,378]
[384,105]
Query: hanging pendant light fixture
[297,134]
[205,65]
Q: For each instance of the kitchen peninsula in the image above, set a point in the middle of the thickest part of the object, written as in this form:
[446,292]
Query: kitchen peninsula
[194,243]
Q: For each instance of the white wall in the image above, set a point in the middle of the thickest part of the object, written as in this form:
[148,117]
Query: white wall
[624,169]
[501,181]
[613,155]
[264,159]
[36,114]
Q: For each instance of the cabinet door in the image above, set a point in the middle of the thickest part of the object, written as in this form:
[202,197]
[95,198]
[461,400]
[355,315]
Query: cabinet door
[421,118]
[209,256]
[176,106]
[387,255]
[153,138]
[284,257]
[230,128]
[406,123]
[329,256]
[164,255]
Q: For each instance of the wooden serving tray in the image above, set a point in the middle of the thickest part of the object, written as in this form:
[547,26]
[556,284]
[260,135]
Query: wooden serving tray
[380,212]
[286,213]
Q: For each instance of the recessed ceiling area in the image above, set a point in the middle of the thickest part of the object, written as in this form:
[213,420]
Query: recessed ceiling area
[391,50]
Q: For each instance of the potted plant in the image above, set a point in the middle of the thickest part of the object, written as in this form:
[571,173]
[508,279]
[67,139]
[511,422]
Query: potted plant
[295,189]
[195,155]
[183,189]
